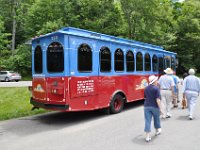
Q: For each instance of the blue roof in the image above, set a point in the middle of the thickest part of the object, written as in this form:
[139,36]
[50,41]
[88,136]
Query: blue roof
[104,37]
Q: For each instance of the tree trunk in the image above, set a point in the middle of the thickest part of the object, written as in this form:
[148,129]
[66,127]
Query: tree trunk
[14,26]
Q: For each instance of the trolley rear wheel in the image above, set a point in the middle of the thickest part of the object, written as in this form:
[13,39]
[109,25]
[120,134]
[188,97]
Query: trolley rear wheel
[117,104]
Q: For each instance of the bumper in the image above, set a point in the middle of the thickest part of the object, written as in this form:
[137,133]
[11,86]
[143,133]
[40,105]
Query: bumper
[15,78]
[49,106]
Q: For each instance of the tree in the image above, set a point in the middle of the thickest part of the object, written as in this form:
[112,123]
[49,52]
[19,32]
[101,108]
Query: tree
[45,12]
[188,35]
[4,53]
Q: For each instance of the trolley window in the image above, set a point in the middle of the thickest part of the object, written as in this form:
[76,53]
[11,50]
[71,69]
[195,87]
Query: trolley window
[173,63]
[105,59]
[161,67]
[139,61]
[38,60]
[84,58]
[155,63]
[147,62]
[167,62]
[119,60]
[55,58]
[130,61]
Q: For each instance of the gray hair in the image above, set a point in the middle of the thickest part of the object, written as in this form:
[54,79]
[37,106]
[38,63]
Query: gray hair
[191,72]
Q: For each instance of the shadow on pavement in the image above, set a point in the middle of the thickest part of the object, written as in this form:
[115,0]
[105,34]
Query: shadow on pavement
[57,120]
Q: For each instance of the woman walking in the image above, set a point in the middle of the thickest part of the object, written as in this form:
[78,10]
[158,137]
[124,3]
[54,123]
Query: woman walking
[152,107]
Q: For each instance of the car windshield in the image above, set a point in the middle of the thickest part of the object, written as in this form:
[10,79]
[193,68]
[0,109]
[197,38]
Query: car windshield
[11,71]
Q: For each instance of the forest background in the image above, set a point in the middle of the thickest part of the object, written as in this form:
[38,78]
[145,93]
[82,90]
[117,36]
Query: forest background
[167,23]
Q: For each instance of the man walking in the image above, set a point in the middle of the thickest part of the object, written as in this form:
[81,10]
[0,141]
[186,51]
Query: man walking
[191,90]
[166,84]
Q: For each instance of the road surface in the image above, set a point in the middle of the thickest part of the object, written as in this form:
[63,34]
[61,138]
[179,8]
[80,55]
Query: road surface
[16,84]
[97,131]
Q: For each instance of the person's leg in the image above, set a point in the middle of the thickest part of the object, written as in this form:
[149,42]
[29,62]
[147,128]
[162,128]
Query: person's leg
[148,118]
[168,103]
[192,104]
[157,126]
[163,103]
[175,99]
[178,96]
[188,97]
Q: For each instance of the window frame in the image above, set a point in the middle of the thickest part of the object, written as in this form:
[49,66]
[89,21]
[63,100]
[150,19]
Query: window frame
[36,59]
[147,63]
[61,61]
[80,62]
[108,61]
[119,61]
[130,62]
[141,63]
[153,63]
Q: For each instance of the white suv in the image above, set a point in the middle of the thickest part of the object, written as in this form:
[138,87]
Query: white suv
[9,76]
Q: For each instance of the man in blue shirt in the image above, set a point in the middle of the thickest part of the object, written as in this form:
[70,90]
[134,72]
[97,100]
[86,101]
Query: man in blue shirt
[191,90]
[152,107]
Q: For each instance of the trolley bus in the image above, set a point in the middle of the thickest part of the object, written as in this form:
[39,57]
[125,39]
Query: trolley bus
[79,70]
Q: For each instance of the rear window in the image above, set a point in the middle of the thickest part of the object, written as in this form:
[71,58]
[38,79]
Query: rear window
[38,60]
[55,58]
[3,72]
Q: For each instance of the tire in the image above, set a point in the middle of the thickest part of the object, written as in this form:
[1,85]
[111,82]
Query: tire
[16,80]
[117,104]
[7,79]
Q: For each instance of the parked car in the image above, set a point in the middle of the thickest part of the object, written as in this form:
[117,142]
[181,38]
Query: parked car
[9,76]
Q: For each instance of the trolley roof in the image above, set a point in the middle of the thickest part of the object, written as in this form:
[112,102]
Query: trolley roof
[99,36]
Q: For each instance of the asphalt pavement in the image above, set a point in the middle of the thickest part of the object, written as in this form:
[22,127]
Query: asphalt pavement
[95,130]
[16,84]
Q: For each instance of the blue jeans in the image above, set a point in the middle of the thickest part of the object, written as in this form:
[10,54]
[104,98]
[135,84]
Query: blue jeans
[150,112]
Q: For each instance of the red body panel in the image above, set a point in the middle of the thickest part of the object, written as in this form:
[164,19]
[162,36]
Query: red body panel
[87,93]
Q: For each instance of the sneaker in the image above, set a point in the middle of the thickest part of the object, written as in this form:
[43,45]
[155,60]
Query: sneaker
[148,139]
[190,118]
[158,132]
[175,106]
[168,115]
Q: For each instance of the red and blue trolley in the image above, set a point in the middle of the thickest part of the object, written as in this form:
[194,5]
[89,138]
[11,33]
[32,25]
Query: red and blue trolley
[76,70]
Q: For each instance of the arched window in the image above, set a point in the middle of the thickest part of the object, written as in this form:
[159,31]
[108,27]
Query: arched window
[155,63]
[119,60]
[105,59]
[84,58]
[139,61]
[55,57]
[161,66]
[38,60]
[173,63]
[130,61]
[167,62]
[147,62]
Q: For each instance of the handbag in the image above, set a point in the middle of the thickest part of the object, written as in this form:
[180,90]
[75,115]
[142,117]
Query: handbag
[184,104]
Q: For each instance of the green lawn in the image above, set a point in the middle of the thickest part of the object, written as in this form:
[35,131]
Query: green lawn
[14,103]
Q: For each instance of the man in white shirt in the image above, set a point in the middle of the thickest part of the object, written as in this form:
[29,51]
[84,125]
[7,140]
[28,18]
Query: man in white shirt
[166,84]
[191,90]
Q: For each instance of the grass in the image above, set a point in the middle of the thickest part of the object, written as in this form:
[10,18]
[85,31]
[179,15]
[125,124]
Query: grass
[27,78]
[14,103]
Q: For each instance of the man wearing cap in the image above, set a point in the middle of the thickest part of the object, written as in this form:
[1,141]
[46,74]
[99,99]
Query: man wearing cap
[152,107]
[191,90]
[166,84]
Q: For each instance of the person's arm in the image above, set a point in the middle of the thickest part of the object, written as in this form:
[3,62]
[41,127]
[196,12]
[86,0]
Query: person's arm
[172,86]
[159,105]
